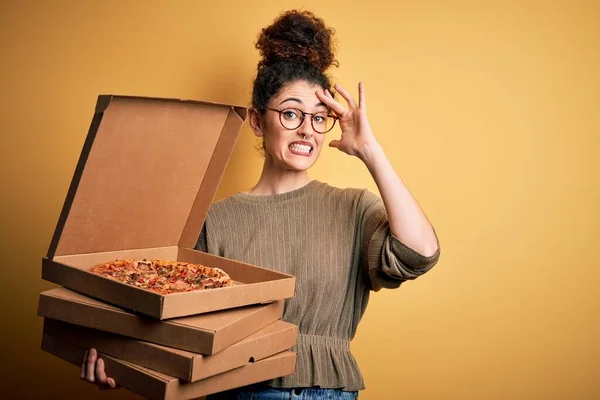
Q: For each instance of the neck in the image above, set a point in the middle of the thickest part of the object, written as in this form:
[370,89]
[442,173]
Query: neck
[277,180]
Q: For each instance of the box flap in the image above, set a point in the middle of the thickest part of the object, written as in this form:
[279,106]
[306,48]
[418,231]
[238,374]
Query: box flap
[147,174]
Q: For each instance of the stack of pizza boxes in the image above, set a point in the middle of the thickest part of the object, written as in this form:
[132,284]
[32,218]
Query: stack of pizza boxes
[142,188]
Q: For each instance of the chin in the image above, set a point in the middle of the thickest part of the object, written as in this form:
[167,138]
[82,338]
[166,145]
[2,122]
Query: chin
[302,164]
[299,168]
[296,166]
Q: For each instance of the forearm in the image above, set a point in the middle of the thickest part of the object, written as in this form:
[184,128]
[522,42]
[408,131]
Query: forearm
[408,223]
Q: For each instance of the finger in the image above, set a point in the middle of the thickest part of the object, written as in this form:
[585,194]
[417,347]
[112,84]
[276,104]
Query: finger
[100,372]
[334,143]
[362,99]
[331,103]
[83,365]
[111,382]
[330,95]
[349,99]
[91,365]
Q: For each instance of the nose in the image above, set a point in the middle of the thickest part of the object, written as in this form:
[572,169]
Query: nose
[306,129]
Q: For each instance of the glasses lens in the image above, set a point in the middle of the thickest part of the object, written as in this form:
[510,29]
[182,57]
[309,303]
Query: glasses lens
[290,118]
[322,122]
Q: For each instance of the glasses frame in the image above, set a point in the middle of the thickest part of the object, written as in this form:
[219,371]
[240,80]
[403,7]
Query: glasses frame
[304,114]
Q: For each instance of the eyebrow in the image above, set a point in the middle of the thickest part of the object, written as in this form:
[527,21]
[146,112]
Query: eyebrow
[300,101]
[292,99]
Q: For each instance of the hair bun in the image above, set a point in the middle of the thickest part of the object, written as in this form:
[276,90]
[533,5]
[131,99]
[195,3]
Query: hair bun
[297,35]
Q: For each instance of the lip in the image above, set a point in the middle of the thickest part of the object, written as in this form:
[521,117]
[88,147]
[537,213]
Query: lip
[312,147]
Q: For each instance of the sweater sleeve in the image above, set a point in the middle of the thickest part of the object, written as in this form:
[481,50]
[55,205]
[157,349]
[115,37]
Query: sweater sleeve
[388,261]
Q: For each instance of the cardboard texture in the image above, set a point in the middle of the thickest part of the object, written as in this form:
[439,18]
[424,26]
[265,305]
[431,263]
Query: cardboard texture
[191,367]
[156,386]
[206,334]
[146,177]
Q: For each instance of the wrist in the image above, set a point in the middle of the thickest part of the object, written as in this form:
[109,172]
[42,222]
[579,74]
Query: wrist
[370,152]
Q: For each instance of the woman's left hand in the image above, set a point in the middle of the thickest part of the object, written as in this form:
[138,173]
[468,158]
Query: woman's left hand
[357,138]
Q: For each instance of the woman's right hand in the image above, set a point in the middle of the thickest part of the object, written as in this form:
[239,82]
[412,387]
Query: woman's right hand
[92,370]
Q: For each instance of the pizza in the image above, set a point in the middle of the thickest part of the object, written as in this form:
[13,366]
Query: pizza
[164,276]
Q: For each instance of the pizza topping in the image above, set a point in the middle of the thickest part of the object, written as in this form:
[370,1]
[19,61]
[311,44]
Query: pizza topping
[164,276]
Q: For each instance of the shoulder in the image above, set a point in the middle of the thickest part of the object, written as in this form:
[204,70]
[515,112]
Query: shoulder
[225,203]
[334,190]
[354,197]
[222,208]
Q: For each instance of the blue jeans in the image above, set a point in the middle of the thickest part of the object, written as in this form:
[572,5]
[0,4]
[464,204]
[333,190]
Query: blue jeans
[285,394]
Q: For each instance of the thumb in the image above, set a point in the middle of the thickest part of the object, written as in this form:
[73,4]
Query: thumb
[334,143]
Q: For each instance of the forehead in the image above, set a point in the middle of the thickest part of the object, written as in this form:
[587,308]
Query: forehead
[303,92]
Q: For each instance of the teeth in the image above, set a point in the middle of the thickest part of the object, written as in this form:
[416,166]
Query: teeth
[300,148]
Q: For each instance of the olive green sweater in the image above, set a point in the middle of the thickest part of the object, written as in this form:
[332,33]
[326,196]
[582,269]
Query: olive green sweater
[338,244]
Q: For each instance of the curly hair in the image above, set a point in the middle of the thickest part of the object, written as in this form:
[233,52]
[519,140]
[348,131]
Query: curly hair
[296,46]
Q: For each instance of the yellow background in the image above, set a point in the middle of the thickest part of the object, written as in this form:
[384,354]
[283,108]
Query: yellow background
[489,110]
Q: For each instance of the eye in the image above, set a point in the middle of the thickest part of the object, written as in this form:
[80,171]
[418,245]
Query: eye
[290,115]
[319,119]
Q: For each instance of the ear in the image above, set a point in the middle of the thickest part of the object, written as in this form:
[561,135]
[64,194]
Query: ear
[256,122]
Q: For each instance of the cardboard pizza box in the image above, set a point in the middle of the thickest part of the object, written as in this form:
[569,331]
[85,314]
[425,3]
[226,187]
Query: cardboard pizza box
[190,367]
[146,177]
[206,334]
[156,386]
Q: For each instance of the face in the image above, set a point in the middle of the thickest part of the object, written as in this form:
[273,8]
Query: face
[297,149]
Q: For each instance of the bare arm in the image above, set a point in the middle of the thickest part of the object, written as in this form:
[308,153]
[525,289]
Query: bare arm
[408,222]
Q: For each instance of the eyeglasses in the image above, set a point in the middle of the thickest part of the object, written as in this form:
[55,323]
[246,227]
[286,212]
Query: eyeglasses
[293,118]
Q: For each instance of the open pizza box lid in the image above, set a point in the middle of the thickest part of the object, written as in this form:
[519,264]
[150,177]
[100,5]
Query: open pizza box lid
[142,188]
[147,174]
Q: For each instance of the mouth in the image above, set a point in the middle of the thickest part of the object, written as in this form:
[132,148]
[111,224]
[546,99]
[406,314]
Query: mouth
[301,148]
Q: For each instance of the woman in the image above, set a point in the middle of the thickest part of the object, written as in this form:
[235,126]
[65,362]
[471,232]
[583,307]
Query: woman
[339,243]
